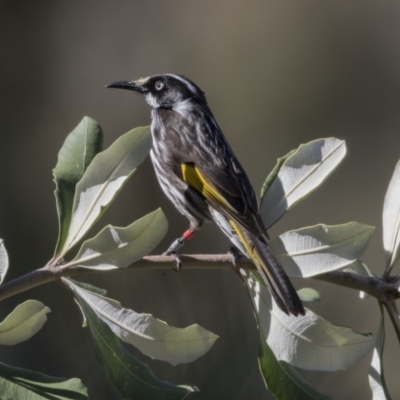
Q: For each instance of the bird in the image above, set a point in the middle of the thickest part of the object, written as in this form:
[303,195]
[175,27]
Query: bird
[198,171]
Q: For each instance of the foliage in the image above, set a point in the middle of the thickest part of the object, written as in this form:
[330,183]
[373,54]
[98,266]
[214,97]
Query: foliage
[88,180]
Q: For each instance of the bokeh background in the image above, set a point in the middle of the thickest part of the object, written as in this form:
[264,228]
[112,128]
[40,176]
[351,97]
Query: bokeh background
[277,74]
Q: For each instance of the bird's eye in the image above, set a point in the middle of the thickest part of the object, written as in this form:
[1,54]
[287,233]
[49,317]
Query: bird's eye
[159,85]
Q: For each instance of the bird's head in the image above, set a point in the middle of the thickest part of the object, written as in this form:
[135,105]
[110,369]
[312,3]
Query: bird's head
[165,91]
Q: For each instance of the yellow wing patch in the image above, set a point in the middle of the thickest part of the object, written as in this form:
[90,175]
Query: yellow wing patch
[246,244]
[196,180]
[254,255]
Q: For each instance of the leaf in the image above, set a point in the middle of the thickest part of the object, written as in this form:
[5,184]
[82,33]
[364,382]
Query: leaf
[274,173]
[103,180]
[17,383]
[308,342]
[308,295]
[152,337]
[321,248]
[23,322]
[3,261]
[119,247]
[300,173]
[376,376]
[281,379]
[77,152]
[132,378]
[89,287]
[391,221]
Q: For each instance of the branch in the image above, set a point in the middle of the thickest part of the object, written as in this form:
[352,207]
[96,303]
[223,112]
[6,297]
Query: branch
[376,287]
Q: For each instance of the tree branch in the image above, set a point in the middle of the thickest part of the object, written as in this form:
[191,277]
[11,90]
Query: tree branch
[376,287]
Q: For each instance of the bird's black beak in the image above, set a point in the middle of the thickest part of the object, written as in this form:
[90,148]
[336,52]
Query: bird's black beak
[137,86]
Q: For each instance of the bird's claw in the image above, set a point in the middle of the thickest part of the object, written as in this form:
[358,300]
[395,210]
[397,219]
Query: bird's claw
[179,263]
[236,254]
[178,260]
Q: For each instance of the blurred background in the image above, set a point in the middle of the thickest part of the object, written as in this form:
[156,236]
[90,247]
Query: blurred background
[277,74]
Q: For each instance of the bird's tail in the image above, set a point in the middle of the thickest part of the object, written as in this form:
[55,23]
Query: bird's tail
[272,272]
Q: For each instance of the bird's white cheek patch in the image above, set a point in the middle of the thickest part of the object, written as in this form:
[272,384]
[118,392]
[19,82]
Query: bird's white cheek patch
[183,107]
[151,100]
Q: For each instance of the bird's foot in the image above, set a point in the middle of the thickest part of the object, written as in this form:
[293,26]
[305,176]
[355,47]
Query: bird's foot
[236,254]
[177,244]
[178,260]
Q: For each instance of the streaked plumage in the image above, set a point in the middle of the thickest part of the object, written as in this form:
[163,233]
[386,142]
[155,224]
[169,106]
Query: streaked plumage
[200,174]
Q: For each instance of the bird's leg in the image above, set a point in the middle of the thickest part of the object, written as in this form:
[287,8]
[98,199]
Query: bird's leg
[177,244]
[235,253]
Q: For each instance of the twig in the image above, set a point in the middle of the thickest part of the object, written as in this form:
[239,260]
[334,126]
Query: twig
[376,287]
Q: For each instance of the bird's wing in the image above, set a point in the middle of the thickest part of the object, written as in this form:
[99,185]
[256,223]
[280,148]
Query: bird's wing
[228,190]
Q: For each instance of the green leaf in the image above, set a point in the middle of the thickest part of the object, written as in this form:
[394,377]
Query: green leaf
[103,180]
[119,247]
[17,383]
[281,379]
[308,342]
[3,261]
[391,221]
[321,248]
[308,295]
[376,375]
[274,173]
[77,152]
[132,378]
[300,173]
[150,335]
[89,287]
[23,322]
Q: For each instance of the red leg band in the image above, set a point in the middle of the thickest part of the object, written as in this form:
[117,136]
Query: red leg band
[188,234]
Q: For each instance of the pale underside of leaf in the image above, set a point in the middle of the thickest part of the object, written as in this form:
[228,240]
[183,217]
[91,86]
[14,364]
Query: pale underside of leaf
[23,322]
[321,248]
[301,173]
[376,375]
[282,379]
[104,179]
[273,174]
[117,247]
[132,378]
[391,220]
[307,342]
[3,261]
[18,383]
[150,335]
